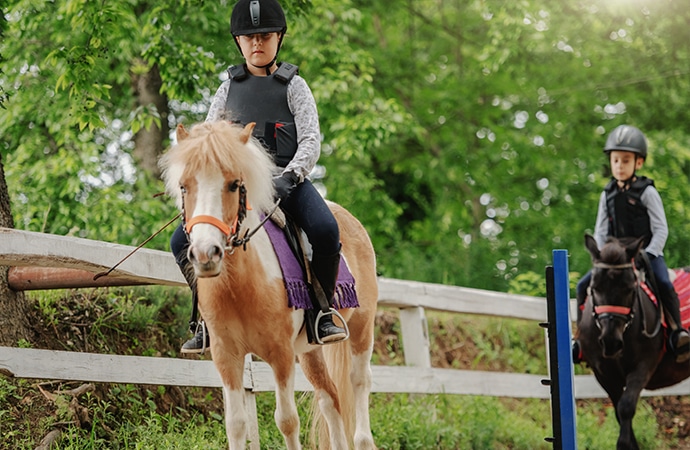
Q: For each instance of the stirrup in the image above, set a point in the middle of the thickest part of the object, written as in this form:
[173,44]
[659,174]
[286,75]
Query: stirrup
[681,348]
[201,332]
[321,315]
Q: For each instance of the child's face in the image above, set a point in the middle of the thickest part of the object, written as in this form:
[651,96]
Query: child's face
[259,49]
[624,164]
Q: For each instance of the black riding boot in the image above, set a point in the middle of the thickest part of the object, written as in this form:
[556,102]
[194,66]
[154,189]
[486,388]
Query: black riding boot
[200,342]
[679,340]
[325,270]
[576,349]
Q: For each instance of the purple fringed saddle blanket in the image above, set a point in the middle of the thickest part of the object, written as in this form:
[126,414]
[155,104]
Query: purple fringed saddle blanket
[296,281]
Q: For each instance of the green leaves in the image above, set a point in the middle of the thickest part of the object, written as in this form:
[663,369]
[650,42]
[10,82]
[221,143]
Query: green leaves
[466,136]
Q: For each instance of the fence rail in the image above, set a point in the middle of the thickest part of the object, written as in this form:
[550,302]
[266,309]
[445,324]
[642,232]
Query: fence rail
[83,258]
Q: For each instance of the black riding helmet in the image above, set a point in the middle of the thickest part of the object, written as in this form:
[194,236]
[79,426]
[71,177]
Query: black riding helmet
[627,138]
[258,16]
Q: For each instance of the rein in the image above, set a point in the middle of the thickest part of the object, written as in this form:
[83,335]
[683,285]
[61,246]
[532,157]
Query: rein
[107,272]
[249,233]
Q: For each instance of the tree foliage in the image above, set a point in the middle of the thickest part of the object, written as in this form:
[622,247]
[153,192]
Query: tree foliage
[466,136]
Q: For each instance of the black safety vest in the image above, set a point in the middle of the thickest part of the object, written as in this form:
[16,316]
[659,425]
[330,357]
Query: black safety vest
[263,100]
[627,216]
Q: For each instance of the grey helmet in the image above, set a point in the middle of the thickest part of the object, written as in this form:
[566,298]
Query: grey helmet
[626,138]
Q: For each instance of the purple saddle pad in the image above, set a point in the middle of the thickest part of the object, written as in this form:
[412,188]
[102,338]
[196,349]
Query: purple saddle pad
[296,281]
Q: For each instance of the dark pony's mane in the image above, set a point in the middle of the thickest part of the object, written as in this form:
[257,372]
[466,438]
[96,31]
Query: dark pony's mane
[614,252]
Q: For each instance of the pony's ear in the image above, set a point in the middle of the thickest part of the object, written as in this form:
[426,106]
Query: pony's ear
[592,247]
[181,132]
[247,132]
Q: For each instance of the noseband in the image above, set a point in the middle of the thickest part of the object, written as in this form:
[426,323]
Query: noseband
[616,312]
[232,234]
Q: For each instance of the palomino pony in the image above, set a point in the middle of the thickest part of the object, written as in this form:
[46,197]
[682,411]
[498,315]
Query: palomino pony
[221,178]
[621,334]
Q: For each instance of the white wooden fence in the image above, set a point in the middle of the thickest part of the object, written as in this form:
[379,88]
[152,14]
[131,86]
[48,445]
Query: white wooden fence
[28,249]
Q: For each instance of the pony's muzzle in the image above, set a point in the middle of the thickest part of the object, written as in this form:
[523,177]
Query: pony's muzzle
[611,348]
[206,261]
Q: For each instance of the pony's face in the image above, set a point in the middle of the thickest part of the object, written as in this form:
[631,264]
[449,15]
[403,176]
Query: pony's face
[613,289]
[612,292]
[214,204]
[215,172]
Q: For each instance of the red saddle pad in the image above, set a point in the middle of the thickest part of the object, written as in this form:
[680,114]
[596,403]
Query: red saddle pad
[682,285]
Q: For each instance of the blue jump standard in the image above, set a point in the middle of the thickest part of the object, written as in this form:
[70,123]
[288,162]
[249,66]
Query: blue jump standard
[560,355]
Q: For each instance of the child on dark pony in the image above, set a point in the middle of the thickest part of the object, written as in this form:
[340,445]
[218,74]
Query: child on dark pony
[630,206]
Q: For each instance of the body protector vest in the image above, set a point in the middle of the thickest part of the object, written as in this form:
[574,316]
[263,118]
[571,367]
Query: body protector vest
[628,217]
[264,100]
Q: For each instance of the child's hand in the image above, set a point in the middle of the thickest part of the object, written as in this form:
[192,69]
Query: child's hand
[284,184]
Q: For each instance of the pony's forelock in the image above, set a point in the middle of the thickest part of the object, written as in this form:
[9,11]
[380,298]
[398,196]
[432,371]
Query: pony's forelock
[218,145]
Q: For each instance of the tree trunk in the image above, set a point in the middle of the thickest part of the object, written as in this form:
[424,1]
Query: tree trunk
[14,306]
[148,142]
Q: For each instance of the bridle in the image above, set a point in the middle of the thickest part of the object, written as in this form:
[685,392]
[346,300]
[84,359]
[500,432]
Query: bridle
[231,233]
[616,312]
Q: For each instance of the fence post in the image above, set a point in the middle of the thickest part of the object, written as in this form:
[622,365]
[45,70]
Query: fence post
[250,405]
[560,355]
[415,336]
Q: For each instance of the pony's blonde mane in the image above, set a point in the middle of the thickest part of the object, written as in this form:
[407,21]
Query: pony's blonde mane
[218,146]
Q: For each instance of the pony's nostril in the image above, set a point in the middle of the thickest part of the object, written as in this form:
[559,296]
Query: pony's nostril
[215,252]
[190,255]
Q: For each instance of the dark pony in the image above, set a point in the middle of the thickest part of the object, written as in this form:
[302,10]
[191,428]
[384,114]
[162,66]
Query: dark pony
[621,333]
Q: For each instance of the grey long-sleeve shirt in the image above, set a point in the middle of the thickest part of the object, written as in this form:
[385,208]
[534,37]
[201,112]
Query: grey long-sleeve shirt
[657,220]
[303,107]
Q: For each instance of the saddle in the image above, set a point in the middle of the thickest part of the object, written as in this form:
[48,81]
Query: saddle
[644,266]
[303,289]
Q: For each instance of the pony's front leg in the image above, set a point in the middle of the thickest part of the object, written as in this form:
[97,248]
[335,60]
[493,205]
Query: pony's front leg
[286,416]
[236,419]
[625,411]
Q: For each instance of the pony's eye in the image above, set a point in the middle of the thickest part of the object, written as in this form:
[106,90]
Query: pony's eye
[232,187]
[183,190]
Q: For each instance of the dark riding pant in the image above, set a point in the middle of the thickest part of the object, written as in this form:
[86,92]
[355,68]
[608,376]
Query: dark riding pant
[311,213]
[667,293]
[581,291]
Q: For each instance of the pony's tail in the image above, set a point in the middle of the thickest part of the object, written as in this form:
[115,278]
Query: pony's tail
[338,358]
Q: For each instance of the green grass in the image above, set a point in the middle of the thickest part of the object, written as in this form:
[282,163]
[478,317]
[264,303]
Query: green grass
[152,321]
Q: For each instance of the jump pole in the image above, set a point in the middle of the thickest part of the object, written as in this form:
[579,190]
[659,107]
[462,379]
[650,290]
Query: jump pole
[561,368]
